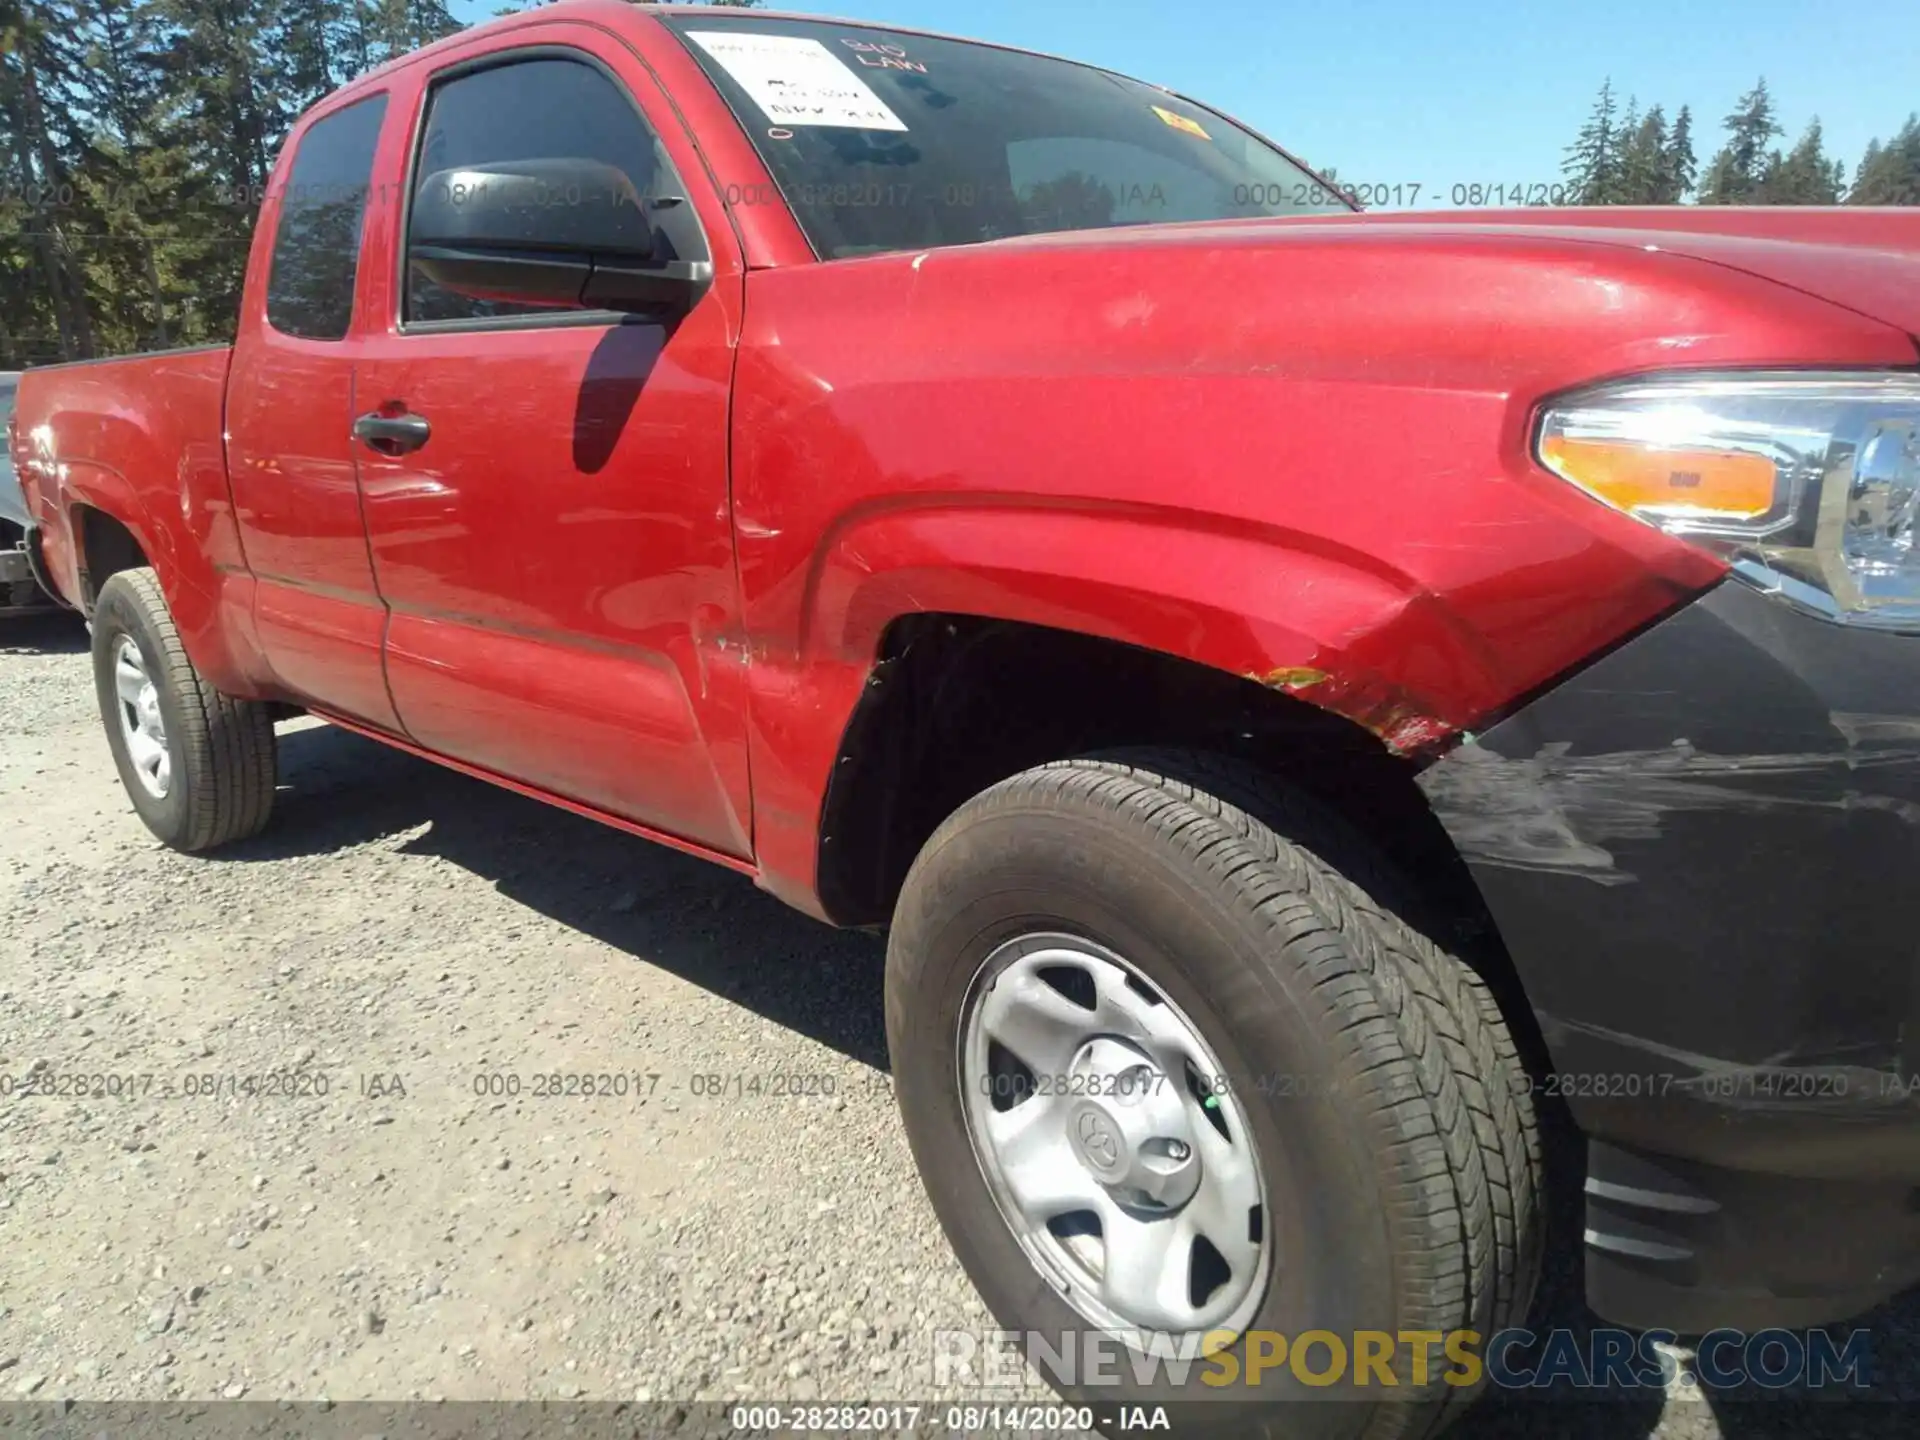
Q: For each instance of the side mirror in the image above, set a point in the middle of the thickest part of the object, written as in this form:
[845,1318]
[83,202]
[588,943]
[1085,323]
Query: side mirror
[546,232]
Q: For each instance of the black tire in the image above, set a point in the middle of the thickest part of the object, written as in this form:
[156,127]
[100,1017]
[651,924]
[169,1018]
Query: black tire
[1382,1209]
[1486,1061]
[220,750]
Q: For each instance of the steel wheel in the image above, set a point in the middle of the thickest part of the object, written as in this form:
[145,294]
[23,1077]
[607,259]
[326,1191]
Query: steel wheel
[140,721]
[1101,1120]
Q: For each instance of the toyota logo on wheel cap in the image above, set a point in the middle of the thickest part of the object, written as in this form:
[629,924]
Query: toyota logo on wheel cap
[1099,1139]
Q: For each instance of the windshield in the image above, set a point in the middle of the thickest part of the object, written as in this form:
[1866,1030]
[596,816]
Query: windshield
[881,140]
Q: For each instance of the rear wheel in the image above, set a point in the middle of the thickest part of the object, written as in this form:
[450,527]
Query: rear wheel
[198,765]
[1166,1075]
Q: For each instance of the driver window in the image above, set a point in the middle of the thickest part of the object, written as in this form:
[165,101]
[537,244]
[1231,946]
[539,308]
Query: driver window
[533,109]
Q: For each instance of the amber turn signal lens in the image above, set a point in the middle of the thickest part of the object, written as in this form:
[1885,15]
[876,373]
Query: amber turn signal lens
[1805,483]
[1638,477]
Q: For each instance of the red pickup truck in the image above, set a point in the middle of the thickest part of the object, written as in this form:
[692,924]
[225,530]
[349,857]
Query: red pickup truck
[1306,694]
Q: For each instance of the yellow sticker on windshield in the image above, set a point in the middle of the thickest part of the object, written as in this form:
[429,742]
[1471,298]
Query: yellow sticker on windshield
[1181,122]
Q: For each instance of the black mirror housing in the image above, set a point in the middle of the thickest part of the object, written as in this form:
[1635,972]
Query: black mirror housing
[551,205]
[564,232]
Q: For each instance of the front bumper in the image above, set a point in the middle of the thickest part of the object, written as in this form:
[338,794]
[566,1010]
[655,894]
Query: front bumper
[1701,854]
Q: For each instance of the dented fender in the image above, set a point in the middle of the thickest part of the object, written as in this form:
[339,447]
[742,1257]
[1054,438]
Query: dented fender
[1330,628]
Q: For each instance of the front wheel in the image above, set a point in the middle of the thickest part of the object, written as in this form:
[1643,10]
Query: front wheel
[198,765]
[1171,1088]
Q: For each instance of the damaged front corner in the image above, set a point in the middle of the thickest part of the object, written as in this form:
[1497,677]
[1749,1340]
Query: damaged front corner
[1392,716]
[1291,677]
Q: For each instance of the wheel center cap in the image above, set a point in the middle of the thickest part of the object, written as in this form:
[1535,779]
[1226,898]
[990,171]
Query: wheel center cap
[1129,1128]
[1100,1142]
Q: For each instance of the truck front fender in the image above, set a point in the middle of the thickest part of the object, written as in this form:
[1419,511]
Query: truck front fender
[1330,626]
[1335,627]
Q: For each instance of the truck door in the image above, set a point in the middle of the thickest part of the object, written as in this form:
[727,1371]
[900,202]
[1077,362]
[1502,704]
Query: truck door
[289,410]
[546,489]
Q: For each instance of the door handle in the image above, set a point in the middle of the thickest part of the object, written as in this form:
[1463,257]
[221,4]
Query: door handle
[391,434]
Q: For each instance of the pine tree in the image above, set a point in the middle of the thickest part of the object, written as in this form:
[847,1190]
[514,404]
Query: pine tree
[1804,175]
[308,37]
[1890,174]
[44,132]
[1592,162]
[383,30]
[1625,128]
[1643,161]
[1735,174]
[228,107]
[122,192]
[1681,168]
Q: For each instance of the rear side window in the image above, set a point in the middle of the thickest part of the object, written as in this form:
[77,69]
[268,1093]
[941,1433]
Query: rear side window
[316,250]
[544,108]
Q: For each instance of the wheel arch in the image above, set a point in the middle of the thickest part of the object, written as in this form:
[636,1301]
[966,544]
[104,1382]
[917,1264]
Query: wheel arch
[108,529]
[955,703]
[1246,617]
[103,546]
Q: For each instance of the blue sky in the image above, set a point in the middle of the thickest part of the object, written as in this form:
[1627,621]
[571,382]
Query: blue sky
[1488,91]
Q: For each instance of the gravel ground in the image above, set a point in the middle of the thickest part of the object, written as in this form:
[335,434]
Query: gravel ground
[417,941]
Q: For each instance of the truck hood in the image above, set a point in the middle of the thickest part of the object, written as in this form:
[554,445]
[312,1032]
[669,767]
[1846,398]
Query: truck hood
[1866,259]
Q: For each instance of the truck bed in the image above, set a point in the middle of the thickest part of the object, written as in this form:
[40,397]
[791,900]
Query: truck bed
[117,435]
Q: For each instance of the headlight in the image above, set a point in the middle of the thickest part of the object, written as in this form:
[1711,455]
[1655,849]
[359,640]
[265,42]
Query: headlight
[1808,484]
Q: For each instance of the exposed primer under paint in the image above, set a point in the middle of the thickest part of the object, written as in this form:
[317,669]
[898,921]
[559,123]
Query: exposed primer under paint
[1559,812]
[1400,722]
[1292,677]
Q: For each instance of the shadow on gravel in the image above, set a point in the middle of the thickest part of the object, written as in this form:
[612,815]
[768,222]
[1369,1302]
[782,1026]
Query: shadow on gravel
[705,924]
[43,632]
